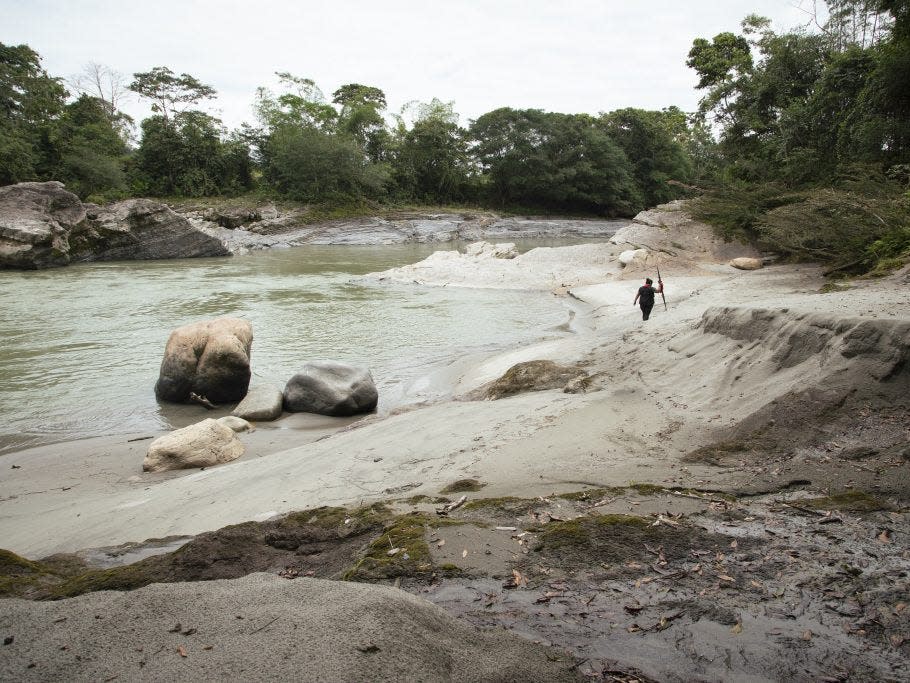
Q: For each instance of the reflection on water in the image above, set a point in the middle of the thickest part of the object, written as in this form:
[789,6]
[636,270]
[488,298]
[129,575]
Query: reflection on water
[81,345]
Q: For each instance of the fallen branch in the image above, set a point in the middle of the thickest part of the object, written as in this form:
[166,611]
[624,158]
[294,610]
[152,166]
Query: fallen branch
[446,509]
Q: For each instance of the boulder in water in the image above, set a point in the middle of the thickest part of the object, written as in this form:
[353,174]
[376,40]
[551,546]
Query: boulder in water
[331,388]
[210,359]
[264,402]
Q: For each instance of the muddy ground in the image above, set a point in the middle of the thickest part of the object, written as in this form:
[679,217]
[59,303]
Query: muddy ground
[640,583]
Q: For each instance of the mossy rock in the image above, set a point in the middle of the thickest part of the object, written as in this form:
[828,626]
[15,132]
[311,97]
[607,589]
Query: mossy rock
[401,550]
[848,501]
[462,486]
[534,375]
[613,541]
[718,454]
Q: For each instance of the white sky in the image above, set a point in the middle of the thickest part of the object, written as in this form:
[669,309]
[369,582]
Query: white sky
[571,56]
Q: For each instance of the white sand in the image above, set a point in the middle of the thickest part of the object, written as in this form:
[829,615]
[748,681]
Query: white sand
[665,387]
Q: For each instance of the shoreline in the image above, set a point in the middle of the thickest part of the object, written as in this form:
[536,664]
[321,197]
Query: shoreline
[727,498]
[64,508]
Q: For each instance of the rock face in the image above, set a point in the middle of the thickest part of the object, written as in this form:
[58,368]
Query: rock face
[534,375]
[42,225]
[36,221]
[210,359]
[202,444]
[144,229]
[261,403]
[330,388]
[746,263]
[632,255]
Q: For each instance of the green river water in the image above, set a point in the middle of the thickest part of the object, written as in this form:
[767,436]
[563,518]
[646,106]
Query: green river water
[80,346]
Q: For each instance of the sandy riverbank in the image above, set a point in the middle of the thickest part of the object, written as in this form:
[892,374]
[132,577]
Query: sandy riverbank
[749,382]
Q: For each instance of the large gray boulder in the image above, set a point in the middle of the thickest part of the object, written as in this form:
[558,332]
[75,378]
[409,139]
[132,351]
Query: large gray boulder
[36,221]
[42,225]
[203,444]
[331,388]
[264,402]
[210,359]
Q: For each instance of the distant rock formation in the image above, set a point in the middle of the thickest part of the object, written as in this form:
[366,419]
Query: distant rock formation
[330,388]
[42,225]
[210,359]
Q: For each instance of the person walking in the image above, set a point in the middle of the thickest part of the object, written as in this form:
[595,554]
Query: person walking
[645,296]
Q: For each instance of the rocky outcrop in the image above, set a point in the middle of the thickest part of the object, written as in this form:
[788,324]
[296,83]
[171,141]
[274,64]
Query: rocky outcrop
[330,388]
[202,444]
[210,359]
[534,375]
[261,403]
[42,225]
[670,229]
[36,221]
[144,229]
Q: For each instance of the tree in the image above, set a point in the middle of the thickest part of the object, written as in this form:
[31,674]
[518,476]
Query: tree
[302,104]
[187,156]
[30,103]
[168,92]
[554,161]
[308,164]
[430,161]
[650,142]
[90,148]
[110,89]
[361,117]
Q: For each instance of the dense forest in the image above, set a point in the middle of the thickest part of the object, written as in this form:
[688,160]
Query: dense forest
[801,141]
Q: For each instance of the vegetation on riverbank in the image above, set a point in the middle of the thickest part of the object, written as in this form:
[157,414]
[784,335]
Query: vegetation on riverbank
[812,159]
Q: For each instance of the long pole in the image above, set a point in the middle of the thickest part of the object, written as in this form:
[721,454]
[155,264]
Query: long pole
[661,288]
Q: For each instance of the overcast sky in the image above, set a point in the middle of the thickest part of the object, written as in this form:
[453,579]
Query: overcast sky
[569,56]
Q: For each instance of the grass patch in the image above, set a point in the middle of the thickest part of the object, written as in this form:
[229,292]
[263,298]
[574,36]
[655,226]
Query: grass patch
[848,501]
[462,486]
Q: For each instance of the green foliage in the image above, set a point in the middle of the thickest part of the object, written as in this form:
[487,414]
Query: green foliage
[652,141]
[187,156]
[554,161]
[30,103]
[307,164]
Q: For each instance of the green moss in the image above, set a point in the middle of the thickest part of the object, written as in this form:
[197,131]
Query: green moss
[11,563]
[128,577]
[463,485]
[848,501]
[648,489]
[505,503]
[583,530]
[335,517]
[830,287]
[407,533]
[592,495]
[433,500]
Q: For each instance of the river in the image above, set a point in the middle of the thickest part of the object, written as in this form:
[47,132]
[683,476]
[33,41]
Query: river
[80,347]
